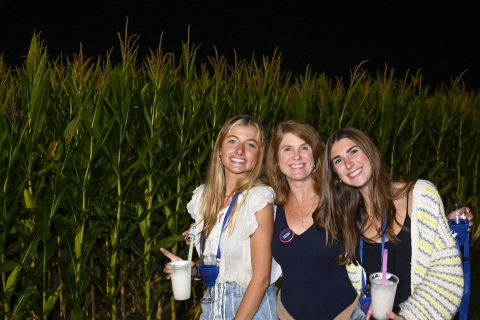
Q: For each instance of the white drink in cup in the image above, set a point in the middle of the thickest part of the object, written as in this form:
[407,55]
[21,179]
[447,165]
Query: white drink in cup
[382,295]
[181,283]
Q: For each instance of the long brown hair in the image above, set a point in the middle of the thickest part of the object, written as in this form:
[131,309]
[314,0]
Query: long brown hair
[342,209]
[276,178]
[214,187]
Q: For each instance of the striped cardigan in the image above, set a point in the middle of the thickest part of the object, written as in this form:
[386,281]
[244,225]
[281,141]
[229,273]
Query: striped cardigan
[436,269]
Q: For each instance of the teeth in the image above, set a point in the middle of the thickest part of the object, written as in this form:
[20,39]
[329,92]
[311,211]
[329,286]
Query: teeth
[354,173]
[238,160]
[297,166]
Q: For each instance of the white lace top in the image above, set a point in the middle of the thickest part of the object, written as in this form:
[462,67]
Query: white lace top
[235,263]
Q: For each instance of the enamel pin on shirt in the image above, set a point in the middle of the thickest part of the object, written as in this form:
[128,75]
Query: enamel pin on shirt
[286,235]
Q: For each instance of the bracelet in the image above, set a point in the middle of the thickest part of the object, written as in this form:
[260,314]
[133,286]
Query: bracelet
[195,276]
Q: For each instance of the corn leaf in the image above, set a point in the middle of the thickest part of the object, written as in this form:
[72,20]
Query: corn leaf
[52,300]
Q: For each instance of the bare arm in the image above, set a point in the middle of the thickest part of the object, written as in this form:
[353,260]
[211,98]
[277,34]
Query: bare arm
[261,253]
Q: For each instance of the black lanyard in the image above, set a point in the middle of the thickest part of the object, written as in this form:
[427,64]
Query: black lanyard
[225,219]
[384,226]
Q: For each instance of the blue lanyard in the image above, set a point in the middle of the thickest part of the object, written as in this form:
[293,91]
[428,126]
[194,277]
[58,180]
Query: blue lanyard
[225,219]
[384,226]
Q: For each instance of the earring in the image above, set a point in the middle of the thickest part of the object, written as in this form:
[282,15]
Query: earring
[341,181]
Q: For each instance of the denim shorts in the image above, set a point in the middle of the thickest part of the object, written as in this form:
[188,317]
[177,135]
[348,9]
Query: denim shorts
[358,313]
[227,300]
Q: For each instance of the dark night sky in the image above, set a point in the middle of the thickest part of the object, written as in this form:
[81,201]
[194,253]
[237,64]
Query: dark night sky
[440,38]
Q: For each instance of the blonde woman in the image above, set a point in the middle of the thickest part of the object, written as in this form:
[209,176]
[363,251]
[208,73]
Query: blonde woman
[244,288]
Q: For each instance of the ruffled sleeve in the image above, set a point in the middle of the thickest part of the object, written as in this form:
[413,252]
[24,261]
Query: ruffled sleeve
[193,206]
[257,199]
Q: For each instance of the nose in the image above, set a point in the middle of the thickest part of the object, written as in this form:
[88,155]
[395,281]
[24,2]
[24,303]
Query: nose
[296,155]
[348,163]
[240,149]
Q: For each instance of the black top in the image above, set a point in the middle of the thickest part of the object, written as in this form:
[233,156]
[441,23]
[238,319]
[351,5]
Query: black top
[399,260]
[314,286]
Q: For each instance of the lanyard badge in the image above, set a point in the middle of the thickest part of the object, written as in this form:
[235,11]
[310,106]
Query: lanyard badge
[365,295]
[365,299]
[209,273]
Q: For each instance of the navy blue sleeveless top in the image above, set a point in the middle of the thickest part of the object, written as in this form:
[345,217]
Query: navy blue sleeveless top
[314,286]
[399,260]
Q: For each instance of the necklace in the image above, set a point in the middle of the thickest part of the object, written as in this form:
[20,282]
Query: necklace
[306,215]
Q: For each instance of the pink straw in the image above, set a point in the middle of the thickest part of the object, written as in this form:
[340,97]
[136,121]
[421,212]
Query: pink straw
[384,267]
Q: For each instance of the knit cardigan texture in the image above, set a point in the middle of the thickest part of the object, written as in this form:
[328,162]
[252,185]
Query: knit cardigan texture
[436,268]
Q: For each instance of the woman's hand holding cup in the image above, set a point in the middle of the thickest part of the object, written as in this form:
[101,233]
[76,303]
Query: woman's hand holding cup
[461,211]
[168,268]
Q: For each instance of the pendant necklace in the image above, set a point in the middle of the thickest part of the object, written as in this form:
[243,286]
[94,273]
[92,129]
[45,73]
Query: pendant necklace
[305,217]
[287,234]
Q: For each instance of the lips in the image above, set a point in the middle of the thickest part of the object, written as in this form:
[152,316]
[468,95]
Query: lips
[297,166]
[355,173]
[238,160]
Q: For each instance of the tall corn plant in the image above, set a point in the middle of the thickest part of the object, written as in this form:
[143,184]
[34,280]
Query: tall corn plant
[29,159]
[10,133]
[153,100]
[186,110]
[33,97]
[119,101]
[98,161]
[82,139]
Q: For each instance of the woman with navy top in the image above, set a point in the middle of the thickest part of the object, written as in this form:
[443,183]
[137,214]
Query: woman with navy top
[232,191]
[314,286]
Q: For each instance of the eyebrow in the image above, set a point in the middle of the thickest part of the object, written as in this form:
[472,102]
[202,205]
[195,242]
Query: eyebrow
[348,150]
[234,136]
[288,145]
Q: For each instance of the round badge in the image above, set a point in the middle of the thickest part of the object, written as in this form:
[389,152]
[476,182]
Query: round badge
[286,235]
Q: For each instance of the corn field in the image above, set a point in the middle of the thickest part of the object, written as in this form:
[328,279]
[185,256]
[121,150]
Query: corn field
[98,162]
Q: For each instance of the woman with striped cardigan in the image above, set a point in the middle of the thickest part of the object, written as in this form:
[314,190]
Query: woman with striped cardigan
[366,210]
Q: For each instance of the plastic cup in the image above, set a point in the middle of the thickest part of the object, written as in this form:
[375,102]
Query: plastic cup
[209,259]
[457,221]
[209,274]
[382,295]
[456,214]
[181,275]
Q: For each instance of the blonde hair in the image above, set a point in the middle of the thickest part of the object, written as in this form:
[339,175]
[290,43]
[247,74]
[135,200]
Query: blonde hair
[214,187]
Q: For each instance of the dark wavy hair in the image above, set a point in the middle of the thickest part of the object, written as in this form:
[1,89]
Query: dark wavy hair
[342,210]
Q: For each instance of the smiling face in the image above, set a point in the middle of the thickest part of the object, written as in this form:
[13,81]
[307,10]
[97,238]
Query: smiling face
[295,158]
[239,151]
[350,163]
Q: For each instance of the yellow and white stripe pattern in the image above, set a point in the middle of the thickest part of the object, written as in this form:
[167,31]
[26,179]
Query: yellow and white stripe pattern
[436,267]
